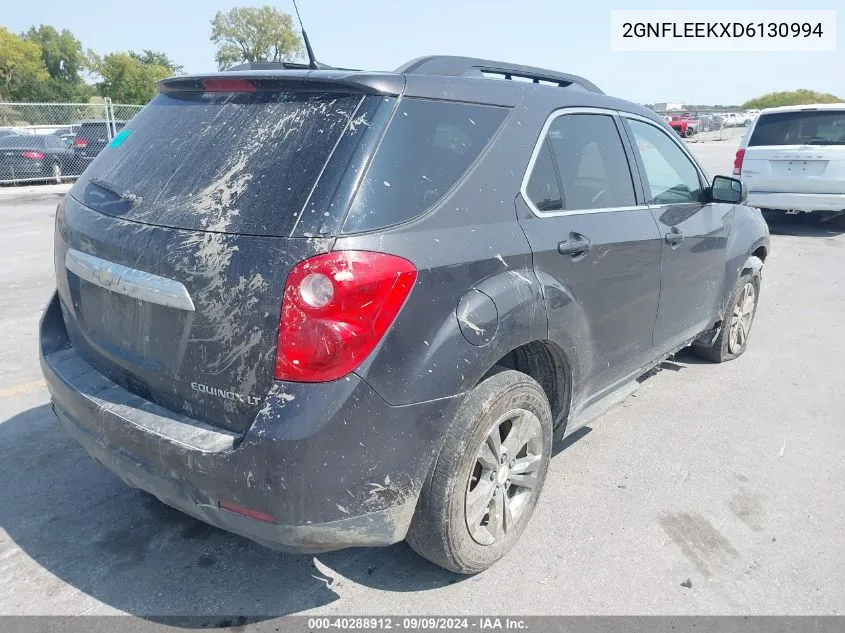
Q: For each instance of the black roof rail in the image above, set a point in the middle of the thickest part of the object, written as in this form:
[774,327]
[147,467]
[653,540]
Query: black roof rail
[454,66]
[279,66]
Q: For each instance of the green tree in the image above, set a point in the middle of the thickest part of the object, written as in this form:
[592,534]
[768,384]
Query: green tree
[64,59]
[124,79]
[22,69]
[793,97]
[254,34]
[156,58]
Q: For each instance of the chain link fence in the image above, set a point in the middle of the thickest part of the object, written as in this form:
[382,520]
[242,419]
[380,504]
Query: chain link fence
[54,142]
[707,125]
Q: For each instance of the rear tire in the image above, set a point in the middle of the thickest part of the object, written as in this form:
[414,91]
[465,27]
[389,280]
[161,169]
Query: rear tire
[466,481]
[732,340]
[56,170]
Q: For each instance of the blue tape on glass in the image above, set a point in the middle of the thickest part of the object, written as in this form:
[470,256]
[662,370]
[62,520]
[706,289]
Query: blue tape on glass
[119,138]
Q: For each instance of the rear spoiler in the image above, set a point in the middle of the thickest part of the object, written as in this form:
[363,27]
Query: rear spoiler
[289,79]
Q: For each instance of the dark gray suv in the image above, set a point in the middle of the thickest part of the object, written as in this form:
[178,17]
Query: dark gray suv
[329,308]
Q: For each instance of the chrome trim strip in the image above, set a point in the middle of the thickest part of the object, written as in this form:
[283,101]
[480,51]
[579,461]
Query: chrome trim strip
[128,281]
[523,190]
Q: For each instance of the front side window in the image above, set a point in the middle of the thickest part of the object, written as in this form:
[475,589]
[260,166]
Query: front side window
[671,175]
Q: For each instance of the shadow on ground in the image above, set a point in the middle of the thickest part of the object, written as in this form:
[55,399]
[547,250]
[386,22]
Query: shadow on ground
[124,548]
[804,224]
[133,553]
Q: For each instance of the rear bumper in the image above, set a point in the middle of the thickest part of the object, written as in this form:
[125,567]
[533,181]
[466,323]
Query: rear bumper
[331,463]
[796,201]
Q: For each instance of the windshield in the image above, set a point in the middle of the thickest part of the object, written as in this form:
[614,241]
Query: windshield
[804,127]
[232,162]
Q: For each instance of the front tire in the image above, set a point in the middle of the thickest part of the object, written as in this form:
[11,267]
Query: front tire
[485,483]
[732,340]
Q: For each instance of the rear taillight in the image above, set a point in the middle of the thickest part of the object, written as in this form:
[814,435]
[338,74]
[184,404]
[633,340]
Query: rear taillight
[81,143]
[740,154]
[32,155]
[336,308]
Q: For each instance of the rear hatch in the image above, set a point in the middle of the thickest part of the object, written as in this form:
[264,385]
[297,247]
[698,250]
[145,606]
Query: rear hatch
[173,248]
[799,151]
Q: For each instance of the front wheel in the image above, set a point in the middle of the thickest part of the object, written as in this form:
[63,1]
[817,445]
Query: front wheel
[485,483]
[733,335]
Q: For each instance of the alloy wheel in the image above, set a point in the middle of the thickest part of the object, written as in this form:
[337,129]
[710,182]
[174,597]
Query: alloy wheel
[504,476]
[741,319]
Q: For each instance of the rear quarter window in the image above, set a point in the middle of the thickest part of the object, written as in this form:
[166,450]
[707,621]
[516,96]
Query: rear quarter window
[428,147]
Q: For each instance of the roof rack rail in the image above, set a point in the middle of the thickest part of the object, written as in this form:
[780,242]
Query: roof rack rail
[454,66]
[279,66]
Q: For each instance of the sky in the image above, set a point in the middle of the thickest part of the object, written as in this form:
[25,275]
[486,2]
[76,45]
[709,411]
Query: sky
[566,35]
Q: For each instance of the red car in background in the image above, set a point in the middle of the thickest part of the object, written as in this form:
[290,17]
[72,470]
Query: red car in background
[682,124]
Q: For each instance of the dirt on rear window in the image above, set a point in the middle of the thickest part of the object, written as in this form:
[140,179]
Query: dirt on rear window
[218,161]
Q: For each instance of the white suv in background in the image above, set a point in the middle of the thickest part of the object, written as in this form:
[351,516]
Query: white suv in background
[792,159]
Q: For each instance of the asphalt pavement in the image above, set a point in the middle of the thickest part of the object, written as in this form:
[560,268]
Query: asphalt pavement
[727,476]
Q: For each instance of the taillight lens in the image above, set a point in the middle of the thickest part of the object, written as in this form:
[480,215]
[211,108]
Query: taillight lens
[232,84]
[740,154]
[80,143]
[32,155]
[336,308]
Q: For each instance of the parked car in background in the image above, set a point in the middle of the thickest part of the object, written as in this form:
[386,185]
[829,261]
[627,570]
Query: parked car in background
[731,119]
[709,123]
[681,125]
[749,116]
[35,157]
[325,308]
[792,159]
[90,139]
[67,134]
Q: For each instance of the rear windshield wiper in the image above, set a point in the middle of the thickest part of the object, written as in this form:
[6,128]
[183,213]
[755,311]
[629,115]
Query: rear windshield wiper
[822,141]
[125,196]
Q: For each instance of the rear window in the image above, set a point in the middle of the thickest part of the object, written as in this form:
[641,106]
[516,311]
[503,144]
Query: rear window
[805,127]
[427,148]
[16,140]
[218,161]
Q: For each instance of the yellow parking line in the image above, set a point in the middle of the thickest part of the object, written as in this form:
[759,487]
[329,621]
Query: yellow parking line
[25,387]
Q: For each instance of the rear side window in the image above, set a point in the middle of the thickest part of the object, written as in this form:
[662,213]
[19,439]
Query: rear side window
[428,147]
[230,162]
[591,162]
[805,127]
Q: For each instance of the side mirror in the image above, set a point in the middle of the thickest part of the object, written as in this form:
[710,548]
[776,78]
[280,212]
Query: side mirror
[729,190]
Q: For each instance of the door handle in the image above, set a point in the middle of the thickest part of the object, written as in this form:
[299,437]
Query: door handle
[674,237]
[577,244]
